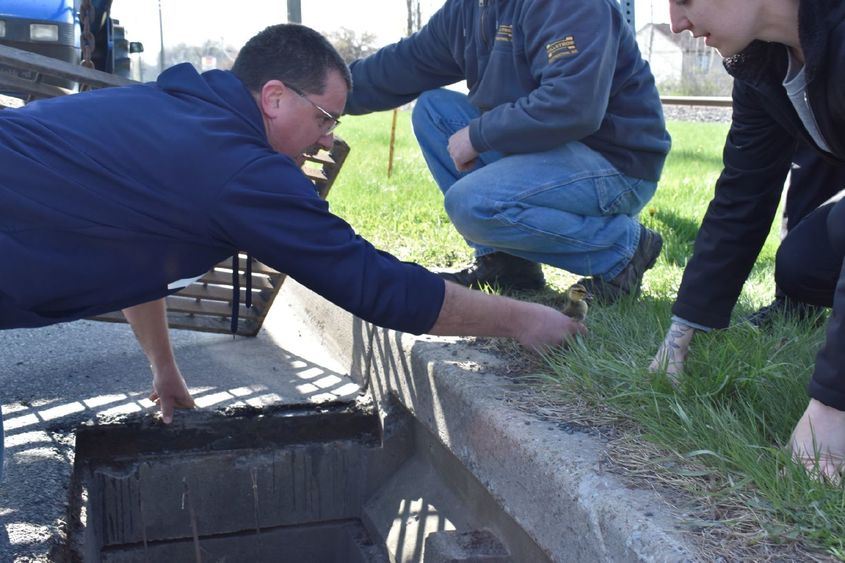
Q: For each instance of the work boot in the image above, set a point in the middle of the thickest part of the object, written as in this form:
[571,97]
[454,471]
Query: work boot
[785,308]
[629,280]
[501,270]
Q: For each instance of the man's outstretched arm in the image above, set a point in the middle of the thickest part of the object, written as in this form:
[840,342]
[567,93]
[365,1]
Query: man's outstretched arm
[466,312]
[149,322]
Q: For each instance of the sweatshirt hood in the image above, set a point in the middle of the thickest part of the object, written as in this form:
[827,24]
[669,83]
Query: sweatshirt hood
[216,87]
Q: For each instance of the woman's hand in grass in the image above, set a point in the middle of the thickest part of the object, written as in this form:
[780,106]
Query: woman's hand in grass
[818,441]
[673,351]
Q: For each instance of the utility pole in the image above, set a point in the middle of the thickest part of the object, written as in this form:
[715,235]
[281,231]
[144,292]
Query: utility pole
[414,25]
[414,16]
[294,11]
[161,39]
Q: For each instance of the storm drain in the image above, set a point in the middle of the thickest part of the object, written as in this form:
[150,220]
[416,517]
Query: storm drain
[334,483]
[279,484]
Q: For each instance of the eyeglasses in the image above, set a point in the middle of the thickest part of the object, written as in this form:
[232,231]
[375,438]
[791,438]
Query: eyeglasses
[330,122]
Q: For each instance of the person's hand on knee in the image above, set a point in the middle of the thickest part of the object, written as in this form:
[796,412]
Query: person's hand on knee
[461,150]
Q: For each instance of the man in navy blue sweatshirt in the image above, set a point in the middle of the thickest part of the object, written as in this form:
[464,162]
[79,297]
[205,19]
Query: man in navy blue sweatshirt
[555,150]
[111,199]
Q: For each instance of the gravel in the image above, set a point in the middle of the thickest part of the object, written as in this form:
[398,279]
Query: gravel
[697,113]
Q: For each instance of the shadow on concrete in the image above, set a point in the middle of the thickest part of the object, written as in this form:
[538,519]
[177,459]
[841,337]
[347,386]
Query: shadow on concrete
[30,422]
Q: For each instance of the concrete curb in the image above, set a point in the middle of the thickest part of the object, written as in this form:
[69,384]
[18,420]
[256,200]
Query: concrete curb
[548,479]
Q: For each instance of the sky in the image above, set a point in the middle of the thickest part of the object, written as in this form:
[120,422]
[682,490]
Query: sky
[195,21]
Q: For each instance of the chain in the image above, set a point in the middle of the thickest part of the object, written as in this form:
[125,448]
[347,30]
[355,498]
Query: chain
[86,14]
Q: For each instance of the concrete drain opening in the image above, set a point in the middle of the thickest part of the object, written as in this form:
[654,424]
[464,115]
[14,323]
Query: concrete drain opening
[329,483]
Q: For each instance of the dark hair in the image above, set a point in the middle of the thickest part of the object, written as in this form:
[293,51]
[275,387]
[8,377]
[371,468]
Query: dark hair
[295,54]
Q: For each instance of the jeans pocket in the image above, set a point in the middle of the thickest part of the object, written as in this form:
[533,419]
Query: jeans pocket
[620,194]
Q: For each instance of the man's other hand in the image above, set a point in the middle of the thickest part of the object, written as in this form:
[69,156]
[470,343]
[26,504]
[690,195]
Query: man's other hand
[170,392]
[149,323]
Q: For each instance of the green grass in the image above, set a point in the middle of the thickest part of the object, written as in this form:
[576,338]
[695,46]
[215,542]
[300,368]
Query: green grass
[743,389]
[404,213]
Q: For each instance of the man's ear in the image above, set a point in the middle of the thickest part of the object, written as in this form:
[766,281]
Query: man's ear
[270,97]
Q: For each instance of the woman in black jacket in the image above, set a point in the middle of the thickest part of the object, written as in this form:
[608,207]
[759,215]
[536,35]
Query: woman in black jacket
[787,58]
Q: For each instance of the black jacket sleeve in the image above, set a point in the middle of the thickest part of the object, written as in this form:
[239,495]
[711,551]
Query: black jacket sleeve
[756,158]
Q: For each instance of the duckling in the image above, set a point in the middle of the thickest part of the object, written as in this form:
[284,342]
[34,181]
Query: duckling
[576,302]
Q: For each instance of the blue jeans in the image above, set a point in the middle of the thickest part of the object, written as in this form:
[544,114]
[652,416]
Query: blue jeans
[567,207]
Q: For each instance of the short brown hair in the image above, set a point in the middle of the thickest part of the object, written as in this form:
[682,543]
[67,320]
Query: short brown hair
[295,54]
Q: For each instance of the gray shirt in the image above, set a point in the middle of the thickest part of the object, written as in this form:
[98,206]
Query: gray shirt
[795,83]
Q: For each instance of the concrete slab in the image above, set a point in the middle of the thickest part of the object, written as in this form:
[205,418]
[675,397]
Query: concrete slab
[55,378]
[476,546]
[325,543]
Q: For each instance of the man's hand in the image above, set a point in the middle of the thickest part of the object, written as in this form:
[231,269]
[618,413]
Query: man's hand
[149,322]
[461,150]
[467,312]
[546,328]
[673,352]
[170,391]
